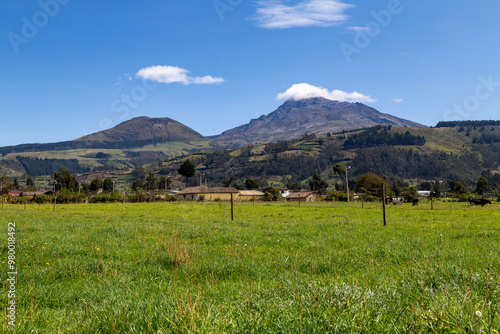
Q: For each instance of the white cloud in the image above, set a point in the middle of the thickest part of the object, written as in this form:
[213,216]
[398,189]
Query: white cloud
[358,29]
[174,74]
[307,91]
[397,100]
[275,14]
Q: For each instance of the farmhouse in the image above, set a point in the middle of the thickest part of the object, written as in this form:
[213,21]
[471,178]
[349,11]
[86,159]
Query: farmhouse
[424,193]
[250,195]
[306,196]
[33,194]
[210,193]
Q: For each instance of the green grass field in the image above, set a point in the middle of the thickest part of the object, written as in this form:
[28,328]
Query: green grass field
[277,268]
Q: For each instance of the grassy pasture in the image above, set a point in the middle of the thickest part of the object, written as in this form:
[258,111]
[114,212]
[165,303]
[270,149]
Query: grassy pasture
[278,268]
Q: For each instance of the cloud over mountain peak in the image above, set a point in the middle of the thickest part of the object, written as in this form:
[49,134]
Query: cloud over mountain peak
[306,91]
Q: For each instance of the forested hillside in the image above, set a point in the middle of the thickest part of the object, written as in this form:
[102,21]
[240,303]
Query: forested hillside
[409,153]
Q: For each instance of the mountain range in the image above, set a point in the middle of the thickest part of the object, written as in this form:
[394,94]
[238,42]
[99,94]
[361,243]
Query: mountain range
[290,120]
[143,140]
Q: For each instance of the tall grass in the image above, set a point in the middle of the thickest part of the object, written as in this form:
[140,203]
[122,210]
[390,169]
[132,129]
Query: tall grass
[278,268]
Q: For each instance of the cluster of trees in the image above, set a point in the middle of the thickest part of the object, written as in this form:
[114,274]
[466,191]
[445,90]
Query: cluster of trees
[380,135]
[451,124]
[490,155]
[278,147]
[7,185]
[148,181]
[486,139]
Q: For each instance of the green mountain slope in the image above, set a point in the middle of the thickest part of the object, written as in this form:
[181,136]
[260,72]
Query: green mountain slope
[421,153]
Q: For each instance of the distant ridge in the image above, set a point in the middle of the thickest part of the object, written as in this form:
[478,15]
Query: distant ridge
[314,115]
[137,132]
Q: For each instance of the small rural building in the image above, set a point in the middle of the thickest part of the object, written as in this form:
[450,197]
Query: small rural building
[306,196]
[33,194]
[250,195]
[210,193]
[15,193]
[424,193]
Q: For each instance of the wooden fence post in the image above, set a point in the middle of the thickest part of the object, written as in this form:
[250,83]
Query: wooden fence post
[383,204]
[232,207]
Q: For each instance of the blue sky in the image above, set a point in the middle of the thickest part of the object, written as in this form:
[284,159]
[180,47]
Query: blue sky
[73,67]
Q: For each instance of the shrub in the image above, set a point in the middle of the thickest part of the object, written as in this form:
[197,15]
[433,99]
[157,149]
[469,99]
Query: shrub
[371,198]
[138,196]
[40,199]
[336,196]
[267,196]
[201,198]
[100,198]
[116,197]
[170,198]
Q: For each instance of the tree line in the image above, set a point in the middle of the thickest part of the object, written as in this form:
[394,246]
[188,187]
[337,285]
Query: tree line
[451,124]
[380,135]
